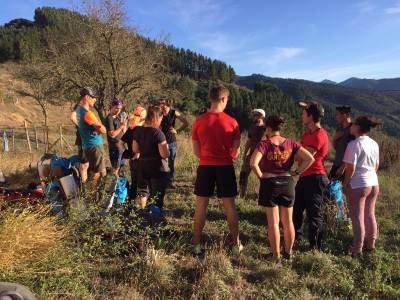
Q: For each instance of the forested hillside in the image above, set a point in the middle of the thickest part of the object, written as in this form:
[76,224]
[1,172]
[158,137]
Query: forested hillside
[185,75]
[384,105]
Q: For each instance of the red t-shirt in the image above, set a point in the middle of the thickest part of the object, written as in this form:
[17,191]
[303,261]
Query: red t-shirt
[216,133]
[277,158]
[319,141]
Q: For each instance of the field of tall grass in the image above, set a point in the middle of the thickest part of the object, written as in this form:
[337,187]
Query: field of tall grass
[91,256]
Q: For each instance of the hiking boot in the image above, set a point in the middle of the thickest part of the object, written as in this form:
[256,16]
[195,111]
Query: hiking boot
[197,251]
[237,249]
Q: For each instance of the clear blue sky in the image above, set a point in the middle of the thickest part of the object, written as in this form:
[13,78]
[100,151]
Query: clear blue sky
[298,39]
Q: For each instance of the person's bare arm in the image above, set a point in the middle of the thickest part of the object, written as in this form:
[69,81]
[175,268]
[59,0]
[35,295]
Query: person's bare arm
[196,148]
[349,173]
[235,151]
[183,120]
[99,127]
[340,170]
[312,150]
[73,118]
[305,158]
[116,132]
[163,149]
[255,161]
[135,147]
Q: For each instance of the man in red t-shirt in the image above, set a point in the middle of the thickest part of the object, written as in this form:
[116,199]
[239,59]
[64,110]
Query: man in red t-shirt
[312,183]
[216,141]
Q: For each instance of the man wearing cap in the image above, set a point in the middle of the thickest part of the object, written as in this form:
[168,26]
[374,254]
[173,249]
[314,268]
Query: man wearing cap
[116,124]
[90,130]
[255,134]
[340,140]
[312,183]
[168,128]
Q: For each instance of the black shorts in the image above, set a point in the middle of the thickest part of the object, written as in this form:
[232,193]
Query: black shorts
[221,176]
[311,189]
[95,157]
[277,191]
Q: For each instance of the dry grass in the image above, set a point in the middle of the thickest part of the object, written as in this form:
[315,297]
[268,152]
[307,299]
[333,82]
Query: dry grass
[28,236]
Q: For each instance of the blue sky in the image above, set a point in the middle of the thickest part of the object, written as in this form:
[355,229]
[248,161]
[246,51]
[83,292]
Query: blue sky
[293,39]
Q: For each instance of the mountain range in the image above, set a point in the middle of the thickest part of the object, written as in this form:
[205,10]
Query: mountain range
[384,105]
[387,84]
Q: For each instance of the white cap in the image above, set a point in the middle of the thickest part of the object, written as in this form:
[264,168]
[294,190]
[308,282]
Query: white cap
[260,111]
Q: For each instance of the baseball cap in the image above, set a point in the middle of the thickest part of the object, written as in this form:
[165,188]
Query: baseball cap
[162,98]
[88,91]
[138,110]
[117,102]
[344,109]
[259,111]
[313,108]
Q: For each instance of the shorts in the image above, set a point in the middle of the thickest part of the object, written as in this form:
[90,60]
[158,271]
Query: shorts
[277,191]
[116,157]
[221,176]
[95,157]
[312,188]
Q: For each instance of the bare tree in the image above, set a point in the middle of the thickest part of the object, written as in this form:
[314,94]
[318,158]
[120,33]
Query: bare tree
[42,85]
[100,51]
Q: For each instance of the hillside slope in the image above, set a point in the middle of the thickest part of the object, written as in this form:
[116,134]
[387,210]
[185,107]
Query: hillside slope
[382,104]
[14,109]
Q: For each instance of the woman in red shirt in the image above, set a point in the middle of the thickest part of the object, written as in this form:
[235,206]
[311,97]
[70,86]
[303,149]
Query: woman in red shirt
[272,161]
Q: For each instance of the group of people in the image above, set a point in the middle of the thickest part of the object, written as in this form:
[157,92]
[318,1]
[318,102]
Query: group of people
[147,139]
[150,139]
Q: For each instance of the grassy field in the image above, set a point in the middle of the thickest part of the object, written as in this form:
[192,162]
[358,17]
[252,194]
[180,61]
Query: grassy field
[96,257]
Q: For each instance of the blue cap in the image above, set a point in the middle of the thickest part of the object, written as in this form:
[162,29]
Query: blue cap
[117,102]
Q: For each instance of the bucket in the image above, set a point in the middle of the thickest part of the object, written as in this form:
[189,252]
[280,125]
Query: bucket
[69,186]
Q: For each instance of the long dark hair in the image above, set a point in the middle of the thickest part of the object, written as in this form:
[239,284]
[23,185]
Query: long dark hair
[154,112]
[366,123]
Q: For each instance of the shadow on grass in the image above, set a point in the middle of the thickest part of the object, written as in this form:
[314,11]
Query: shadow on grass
[21,179]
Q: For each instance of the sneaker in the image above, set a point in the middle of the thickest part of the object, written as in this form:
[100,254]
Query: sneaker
[237,249]
[197,250]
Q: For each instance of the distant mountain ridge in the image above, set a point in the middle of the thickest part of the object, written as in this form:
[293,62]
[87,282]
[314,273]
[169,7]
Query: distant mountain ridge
[388,84]
[385,105]
[327,81]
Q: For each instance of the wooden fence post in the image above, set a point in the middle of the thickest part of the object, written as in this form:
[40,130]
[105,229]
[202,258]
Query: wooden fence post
[61,140]
[13,139]
[36,138]
[27,137]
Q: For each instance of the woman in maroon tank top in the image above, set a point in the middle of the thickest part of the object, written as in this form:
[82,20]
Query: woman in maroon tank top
[272,161]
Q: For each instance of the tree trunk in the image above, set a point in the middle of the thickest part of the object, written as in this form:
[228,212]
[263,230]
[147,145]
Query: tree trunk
[46,130]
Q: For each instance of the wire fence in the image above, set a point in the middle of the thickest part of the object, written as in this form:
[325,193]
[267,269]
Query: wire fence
[29,139]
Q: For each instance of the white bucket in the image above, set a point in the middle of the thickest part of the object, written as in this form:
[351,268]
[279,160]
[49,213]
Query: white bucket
[69,186]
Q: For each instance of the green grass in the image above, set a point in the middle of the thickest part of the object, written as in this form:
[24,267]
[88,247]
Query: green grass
[108,258]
